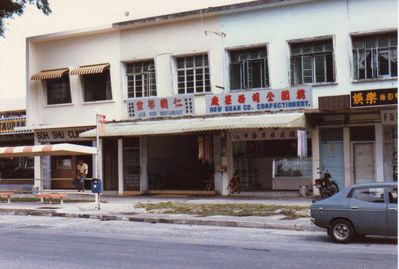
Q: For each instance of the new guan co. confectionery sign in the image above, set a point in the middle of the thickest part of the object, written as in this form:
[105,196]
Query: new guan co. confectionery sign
[259,100]
[157,107]
[373,98]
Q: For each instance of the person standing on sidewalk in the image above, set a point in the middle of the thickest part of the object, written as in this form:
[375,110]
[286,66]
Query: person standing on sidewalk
[81,172]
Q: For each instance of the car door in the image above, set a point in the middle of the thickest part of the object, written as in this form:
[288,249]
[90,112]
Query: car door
[392,210]
[367,210]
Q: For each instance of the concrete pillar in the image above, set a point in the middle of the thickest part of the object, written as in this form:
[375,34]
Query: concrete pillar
[94,161]
[347,157]
[120,166]
[100,160]
[217,157]
[143,164]
[315,134]
[38,171]
[227,161]
[379,152]
[46,174]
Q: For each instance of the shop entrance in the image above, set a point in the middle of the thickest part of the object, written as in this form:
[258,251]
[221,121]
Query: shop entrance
[110,164]
[131,164]
[332,154]
[180,162]
[363,162]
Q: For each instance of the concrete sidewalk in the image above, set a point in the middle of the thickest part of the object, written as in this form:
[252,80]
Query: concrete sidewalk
[123,209]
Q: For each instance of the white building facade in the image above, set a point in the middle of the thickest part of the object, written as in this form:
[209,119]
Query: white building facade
[261,89]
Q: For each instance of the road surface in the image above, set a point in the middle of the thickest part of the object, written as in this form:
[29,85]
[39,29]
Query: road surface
[49,242]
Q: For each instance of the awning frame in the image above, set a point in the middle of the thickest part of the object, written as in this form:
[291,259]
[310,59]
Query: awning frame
[90,69]
[50,74]
[63,149]
[194,125]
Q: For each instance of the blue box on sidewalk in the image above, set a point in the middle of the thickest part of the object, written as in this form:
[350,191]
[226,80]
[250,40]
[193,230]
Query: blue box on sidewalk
[96,185]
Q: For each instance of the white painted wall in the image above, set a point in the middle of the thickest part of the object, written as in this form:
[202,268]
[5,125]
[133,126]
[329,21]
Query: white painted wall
[72,53]
[336,18]
[273,27]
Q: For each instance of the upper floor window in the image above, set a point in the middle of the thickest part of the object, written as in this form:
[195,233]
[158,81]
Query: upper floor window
[58,91]
[97,87]
[312,62]
[248,69]
[96,80]
[375,56]
[141,80]
[193,74]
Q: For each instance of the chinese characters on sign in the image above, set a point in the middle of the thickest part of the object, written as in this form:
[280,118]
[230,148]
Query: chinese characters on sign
[380,97]
[266,134]
[259,100]
[389,117]
[156,107]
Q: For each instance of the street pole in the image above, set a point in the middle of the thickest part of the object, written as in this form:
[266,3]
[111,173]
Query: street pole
[98,157]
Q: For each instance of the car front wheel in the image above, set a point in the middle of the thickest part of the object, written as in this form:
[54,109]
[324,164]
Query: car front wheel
[341,231]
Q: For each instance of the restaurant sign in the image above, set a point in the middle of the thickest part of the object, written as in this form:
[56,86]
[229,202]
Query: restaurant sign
[259,100]
[10,125]
[374,98]
[158,107]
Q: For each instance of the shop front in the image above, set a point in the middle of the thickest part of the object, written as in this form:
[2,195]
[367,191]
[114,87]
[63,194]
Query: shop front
[267,160]
[59,170]
[165,147]
[358,136]
[18,172]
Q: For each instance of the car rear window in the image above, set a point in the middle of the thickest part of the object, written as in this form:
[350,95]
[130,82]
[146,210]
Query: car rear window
[371,195]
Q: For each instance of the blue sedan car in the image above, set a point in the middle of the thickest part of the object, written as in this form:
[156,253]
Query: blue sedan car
[364,209]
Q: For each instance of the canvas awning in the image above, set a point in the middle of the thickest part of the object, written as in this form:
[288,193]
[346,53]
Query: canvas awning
[50,74]
[90,69]
[46,150]
[180,126]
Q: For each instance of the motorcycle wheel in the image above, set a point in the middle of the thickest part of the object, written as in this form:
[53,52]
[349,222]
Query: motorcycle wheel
[323,193]
[334,188]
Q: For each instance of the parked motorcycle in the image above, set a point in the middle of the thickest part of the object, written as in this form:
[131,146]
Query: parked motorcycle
[327,187]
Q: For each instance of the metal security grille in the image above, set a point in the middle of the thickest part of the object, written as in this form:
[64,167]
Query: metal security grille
[141,81]
[131,167]
[375,56]
[312,62]
[193,74]
[248,69]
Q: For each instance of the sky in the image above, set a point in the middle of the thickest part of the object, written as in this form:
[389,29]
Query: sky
[70,15]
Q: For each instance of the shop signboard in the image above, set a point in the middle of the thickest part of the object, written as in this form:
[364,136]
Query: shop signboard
[61,135]
[295,98]
[161,107]
[374,98]
[10,125]
[389,117]
[265,134]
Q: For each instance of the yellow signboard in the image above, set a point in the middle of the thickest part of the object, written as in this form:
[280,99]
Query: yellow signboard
[8,125]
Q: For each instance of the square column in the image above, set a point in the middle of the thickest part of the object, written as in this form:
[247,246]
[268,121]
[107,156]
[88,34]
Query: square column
[143,164]
[315,134]
[120,166]
[347,157]
[379,152]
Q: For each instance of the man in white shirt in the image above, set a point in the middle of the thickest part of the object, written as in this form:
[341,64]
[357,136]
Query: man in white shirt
[81,172]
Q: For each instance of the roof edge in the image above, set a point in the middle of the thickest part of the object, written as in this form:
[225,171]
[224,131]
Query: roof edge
[205,12]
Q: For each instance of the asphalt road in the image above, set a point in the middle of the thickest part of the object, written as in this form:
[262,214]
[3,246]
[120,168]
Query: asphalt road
[44,242]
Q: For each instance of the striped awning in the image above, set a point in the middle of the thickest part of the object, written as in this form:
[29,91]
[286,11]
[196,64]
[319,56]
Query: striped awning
[181,126]
[47,150]
[90,69]
[49,74]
